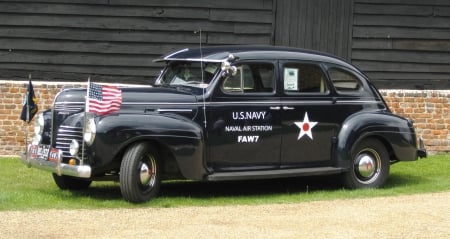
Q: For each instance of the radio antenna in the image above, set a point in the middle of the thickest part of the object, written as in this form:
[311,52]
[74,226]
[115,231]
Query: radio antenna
[203,80]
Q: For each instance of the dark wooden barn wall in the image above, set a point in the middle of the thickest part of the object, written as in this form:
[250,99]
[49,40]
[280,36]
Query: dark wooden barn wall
[399,43]
[116,40]
[403,43]
[323,25]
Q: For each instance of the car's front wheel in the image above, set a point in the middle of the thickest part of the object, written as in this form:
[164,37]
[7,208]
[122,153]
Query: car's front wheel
[370,165]
[140,177]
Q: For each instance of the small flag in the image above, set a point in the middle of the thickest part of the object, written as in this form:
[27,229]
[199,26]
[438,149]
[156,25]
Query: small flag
[103,99]
[30,107]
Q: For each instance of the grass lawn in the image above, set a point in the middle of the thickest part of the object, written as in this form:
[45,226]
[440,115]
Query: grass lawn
[23,188]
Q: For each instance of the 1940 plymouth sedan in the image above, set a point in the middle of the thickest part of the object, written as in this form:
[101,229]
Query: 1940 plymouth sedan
[227,113]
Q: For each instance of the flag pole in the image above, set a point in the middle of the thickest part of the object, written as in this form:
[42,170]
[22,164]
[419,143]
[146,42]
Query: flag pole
[85,117]
[27,117]
[28,96]
[87,95]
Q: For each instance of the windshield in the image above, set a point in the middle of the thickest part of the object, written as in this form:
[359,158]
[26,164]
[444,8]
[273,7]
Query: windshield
[188,73]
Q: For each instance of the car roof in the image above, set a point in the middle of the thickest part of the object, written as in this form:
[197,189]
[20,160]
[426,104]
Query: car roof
[252,52]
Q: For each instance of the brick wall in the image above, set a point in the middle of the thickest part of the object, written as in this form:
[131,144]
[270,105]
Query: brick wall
[12,129]
[429,110]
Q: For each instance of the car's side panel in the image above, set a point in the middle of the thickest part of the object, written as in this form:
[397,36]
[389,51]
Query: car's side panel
[243,133]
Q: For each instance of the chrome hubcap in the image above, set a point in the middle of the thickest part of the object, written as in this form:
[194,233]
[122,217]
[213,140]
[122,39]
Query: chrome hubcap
[147,172]
[367,166]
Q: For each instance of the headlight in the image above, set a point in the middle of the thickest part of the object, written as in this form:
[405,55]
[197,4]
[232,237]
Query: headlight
[89,132]
[36,139]
[39,124]
[38,129]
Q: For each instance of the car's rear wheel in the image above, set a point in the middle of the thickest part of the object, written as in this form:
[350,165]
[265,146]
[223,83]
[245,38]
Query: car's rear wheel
[140,177]
[70,183]
[370,165]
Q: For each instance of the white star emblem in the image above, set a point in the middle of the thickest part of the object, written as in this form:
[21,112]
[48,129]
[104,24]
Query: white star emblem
[305,127]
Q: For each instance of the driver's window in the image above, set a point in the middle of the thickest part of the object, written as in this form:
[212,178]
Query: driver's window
[250,78]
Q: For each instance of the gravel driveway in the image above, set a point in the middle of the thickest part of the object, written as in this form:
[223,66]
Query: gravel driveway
[413,216]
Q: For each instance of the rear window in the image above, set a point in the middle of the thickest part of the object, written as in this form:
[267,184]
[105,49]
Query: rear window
[345,82]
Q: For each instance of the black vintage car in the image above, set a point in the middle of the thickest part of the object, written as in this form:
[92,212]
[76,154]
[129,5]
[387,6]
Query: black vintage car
[228,113]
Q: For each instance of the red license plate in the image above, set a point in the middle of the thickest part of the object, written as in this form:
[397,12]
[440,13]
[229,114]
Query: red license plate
[54,155]
[45,153]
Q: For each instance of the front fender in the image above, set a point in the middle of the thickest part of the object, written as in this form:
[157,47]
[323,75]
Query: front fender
[395,132]
[183,137]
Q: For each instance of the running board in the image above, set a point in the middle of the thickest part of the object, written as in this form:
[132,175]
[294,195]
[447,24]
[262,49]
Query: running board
[269,174]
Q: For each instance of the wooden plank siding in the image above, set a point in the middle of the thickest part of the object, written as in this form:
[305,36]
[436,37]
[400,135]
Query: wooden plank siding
[400,43]
[403,43]
[116,40]
[323,25]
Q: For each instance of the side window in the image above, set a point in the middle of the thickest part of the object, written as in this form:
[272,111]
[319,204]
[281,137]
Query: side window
[304,78]
[345,82]
[250,78]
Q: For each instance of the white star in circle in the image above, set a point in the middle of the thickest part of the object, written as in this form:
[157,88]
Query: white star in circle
[305,127]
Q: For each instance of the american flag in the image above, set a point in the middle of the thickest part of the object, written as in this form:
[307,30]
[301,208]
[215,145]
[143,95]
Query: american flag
[103,99]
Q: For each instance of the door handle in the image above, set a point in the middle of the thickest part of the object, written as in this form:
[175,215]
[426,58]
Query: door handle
[275,107]
[288,108]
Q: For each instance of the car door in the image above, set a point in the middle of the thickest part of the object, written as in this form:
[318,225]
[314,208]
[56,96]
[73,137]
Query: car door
[244,120]
[307,115]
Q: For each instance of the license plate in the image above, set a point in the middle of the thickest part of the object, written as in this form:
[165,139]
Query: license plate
[45,153]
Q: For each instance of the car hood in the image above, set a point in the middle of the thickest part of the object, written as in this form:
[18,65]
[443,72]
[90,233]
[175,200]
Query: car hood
[134,99]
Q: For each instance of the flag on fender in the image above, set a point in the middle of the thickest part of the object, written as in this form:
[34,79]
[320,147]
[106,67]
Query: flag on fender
[103,99]
[30,107]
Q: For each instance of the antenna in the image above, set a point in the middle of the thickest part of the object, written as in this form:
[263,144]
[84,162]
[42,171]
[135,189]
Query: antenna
[203,80]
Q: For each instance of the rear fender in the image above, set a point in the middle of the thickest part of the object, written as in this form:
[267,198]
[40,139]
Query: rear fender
[396,133]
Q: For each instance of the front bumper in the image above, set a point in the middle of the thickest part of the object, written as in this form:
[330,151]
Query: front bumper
[51,161]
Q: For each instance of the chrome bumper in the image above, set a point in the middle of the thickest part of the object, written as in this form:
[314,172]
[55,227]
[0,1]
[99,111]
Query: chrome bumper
[56,166]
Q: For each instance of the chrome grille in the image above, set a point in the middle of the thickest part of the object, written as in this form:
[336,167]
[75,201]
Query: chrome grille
[66,108]
[65,136]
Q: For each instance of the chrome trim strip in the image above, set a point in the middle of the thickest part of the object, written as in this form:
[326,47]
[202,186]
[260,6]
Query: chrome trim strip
[268,103]
[357,101]
[262,102]
[174,110]
[194,59]
[69,103]
[160,103]
[301,102]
